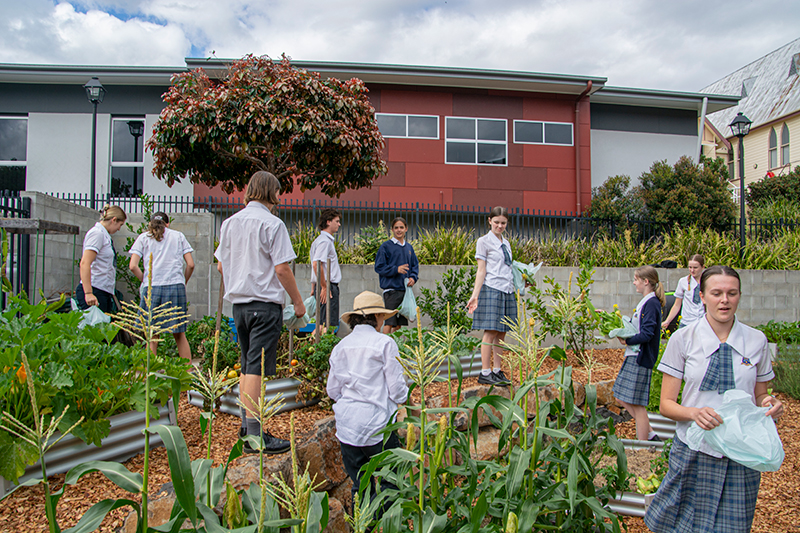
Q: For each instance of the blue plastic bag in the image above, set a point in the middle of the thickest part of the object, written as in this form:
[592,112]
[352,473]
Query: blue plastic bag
[746,434]
[409,306]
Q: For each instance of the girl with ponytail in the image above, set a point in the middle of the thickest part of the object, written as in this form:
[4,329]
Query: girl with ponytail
[632,386]
[170,250]
[98,266]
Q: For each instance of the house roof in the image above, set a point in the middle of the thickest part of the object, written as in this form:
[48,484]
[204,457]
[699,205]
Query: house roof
[80,74]
[769,88]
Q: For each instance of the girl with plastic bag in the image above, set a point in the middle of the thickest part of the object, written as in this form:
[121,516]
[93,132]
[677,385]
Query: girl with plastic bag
[632,386]
[98,266]
[703,490]
[170,251]
[398,270]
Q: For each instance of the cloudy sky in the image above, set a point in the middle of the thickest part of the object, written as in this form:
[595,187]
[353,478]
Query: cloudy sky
[666,44]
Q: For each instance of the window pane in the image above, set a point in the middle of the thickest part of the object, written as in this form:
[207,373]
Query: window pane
[558,134]
[127,147]
[491,154]
[528,132]
[13,139]
[785,155]
[773,158]
[460,152]
[785,135]
[461,128]
[12,178]
[773,139]
[126,181]
[392,125]
[491,130]
[423,127]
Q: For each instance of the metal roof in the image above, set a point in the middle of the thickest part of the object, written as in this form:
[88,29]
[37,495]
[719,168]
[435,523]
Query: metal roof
[80,74]
[663,99]
[769,88]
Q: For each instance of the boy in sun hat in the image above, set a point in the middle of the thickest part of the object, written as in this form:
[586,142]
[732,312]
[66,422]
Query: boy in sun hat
[367,384]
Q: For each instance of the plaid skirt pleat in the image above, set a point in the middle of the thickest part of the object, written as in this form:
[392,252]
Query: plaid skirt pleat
[633,383]
[701,493]
[493,306]
[161,294]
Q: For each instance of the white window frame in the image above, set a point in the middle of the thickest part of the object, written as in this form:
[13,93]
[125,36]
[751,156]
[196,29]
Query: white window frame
[126,164]
[544,132]
[407,116]
[477,141]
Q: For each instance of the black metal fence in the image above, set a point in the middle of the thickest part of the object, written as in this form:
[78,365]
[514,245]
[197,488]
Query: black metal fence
[17,262]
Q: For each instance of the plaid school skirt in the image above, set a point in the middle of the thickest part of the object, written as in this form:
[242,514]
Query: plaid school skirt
[701,493]
[633,383]
[493,306]
[162,294]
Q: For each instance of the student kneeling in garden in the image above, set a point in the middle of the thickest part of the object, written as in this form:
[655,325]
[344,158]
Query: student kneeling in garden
[367,383]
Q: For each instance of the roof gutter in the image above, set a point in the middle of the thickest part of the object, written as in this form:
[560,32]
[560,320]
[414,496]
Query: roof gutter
[578,146]
[701,130]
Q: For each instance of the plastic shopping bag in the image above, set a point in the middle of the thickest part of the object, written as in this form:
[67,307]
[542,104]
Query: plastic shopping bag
[746,435]
[91,316]
[627,331]
[523,274]
[291,321]
[409,306]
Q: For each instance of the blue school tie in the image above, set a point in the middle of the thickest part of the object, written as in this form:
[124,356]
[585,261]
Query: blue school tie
[506,255]
[696,295]
[719,375]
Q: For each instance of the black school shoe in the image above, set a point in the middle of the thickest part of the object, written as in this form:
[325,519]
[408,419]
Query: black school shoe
[272,445]
[498,379]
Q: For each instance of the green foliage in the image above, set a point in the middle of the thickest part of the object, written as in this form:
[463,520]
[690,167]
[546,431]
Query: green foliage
[614,200]
[74,366]
[660,465]
[776,188]
[781,332]
[445,246]
[302,237]
[123,259]
[776,209]
[463,344]
[687,194]
[268,115]
[787,369]
[313,363]
[455,289]
[367,242]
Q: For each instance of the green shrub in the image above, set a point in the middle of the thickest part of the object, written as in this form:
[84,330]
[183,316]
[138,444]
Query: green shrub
[367,242]
[445,246]
[782,186]
[303,236]
[781,332]
[455,289]
[776,209]
[787,370]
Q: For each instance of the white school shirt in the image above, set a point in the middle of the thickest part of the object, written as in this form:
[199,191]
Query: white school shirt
[498,273]
[687,355]
[168,264]
[635,320]
[690,312]
[366,382]
[321,250]
[104,271]
[251,243]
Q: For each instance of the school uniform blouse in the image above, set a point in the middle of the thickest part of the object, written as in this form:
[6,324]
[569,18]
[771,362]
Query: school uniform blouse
[168,262]
[647,318]
[687,356]
[498,274]
[690,311]
[104,271]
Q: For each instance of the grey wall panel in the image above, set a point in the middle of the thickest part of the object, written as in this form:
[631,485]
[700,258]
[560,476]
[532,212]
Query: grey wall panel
[34,98]
[643,119]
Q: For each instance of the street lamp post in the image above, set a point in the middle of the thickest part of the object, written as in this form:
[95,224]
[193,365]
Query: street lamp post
[95,93]
[741,127]
[136,127]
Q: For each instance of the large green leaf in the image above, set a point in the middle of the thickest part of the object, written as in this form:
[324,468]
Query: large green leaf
[572,480]
[115,472]
[15,456]
[518,461]
[392,519]
[432,522]
[96,430]
[180,467]
[317,518]
[251,501]
[528,515]
[92,518]
[478,512]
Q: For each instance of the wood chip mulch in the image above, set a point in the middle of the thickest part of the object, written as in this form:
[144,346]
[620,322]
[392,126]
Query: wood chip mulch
[778,508]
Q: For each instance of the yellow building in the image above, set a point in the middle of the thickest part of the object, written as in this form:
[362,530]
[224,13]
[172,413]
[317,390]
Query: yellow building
[770,97]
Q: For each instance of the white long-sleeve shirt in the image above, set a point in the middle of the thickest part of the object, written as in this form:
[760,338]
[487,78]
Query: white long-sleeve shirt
[367,383]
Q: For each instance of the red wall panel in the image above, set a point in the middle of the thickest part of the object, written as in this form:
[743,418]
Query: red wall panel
[549,201]
[512,178]
[416,102]
[487,198]
[423,195]
[437,176]
[561,180]
[415,150]
[486,106]
[540,155]
[548,110]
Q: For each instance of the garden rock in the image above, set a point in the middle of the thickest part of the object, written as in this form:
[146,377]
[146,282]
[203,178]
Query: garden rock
[158,510]
[605,395]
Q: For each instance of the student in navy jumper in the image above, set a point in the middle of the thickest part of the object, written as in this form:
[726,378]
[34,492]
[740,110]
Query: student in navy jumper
[632,386]
[394,263]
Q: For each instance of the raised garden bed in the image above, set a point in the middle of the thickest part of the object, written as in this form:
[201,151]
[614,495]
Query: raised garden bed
[124,440]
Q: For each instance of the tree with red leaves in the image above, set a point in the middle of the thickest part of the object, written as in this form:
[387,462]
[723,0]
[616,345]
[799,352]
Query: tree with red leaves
[268,115]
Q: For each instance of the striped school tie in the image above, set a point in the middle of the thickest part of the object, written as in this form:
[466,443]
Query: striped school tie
[719,375]
[506,255]
[696,295]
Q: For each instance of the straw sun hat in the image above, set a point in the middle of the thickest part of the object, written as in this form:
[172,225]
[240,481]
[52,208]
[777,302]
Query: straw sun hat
[368,303]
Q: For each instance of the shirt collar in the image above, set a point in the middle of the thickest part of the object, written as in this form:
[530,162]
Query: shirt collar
[502,241]
[328,234]
[255,204]
[710,341]
[398,243]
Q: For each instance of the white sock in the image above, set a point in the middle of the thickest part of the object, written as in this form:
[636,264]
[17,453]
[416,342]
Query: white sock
[651,435]
[496,370]
[486,371]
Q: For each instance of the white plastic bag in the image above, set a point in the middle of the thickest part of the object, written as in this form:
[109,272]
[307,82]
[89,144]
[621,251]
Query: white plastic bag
[408,308]
[291,321]
[523,273]
[627,331]
[91,316]
[746,434]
